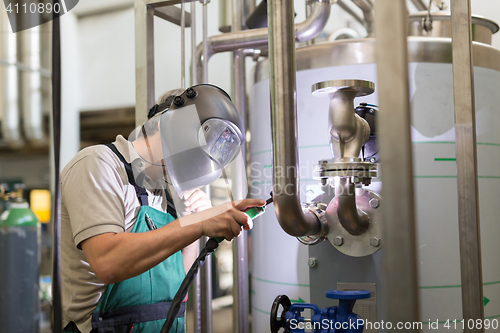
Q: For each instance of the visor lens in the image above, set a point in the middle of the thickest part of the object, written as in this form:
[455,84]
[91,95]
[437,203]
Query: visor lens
[226,147]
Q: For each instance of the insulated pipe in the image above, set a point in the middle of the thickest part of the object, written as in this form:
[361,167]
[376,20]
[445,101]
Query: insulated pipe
[286,195]
[419,4]
[31,86]
[258,38]
[369,15]
[9,95]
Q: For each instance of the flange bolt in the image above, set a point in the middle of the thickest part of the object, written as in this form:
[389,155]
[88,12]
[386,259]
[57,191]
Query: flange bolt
[375,242]
[312,262]
[374,203]
[338,241]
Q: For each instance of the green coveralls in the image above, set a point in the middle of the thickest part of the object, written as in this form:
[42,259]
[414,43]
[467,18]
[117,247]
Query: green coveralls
[141,303]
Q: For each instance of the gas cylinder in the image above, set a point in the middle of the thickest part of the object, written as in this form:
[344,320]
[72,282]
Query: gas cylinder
[19,267]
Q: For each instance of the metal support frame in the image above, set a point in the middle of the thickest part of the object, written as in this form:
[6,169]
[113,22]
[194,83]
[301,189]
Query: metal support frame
[145,11]
[467,174]
[400,277]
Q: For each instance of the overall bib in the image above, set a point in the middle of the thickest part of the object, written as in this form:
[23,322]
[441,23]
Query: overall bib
[141,303]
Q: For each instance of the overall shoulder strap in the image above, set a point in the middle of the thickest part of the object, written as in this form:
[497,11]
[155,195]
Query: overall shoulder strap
[141,193]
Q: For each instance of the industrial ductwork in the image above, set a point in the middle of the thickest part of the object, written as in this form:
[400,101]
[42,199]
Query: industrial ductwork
[22,78]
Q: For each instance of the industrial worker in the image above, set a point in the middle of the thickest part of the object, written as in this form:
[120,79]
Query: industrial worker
[124,252]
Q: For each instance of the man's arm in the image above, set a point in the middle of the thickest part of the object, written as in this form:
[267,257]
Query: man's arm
[194,201]
[115,257]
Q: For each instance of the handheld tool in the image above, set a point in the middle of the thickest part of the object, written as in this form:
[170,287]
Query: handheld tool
[210,247]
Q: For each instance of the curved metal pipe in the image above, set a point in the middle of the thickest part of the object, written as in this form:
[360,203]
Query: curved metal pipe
[291,217]
[369,15]
[355,221]
[258,38]
[349,132]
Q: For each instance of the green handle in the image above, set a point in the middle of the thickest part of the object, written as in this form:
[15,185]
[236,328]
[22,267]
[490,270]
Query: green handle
[253,213]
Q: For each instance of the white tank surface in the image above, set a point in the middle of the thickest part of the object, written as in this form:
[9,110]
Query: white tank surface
[280,262]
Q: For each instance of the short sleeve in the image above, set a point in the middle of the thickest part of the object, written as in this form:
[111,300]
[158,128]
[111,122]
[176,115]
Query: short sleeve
[92,193]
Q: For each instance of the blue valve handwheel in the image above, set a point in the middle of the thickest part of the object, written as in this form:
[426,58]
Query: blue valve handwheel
[348,294]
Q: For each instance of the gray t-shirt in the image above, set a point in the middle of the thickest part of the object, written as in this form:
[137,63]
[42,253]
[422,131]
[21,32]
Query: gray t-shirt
[96,198]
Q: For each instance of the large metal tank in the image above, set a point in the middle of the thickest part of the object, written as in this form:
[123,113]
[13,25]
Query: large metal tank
[280,262]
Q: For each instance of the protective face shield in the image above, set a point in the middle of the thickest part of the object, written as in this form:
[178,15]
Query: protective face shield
[201,132]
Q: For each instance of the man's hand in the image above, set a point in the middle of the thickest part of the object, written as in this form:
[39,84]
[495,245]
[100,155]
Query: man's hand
[231,218]
[195,201]
[115,257]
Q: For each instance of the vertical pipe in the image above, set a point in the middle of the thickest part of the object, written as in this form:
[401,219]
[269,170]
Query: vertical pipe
[205,41]
[467,174]
[183,45]
[206,293]
[206,269]
[400,293]
[286,189]
[241,292]
[144,61]
[309,8]
[194,68]
[194,80]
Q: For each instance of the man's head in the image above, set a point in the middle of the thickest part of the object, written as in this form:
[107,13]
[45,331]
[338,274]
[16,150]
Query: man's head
[200,133]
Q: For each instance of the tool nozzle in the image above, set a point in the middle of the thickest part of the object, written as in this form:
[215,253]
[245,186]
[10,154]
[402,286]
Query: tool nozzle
[270,200]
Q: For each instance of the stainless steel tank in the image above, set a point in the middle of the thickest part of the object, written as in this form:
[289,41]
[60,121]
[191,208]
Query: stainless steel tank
[280,262]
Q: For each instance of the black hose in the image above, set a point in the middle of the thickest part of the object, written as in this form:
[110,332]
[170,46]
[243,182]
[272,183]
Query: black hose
[210,247]
[56,212]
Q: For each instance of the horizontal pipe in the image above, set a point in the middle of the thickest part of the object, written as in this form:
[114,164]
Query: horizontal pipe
[292,218]
[258,38]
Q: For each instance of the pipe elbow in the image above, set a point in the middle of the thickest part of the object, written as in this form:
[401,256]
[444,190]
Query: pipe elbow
[354,221]
[314,24]
[293,220]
